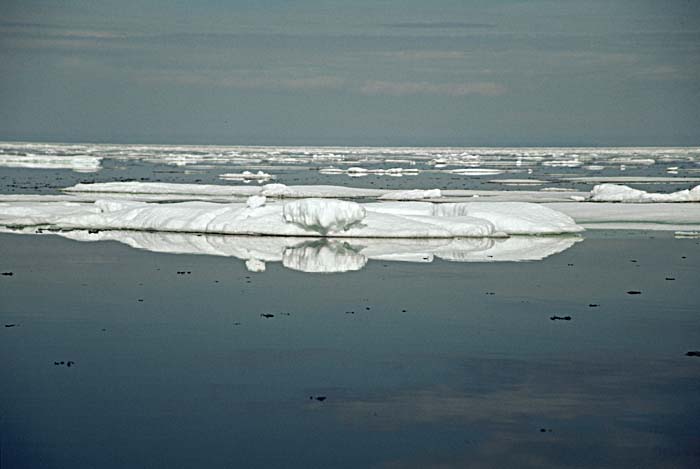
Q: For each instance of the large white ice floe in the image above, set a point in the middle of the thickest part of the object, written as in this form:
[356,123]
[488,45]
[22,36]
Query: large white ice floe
[620,193]
[306,217]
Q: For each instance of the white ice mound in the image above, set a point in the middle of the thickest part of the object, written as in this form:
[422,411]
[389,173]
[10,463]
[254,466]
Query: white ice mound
[621,193]
[323,215]
[513,218]
[414,194]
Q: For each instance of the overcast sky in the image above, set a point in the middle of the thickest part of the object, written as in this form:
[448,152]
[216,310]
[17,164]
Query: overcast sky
[351,72]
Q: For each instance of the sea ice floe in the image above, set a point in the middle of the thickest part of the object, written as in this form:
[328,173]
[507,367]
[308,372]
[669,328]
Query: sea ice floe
[620,193]
[476,171]
[305,217]
[356,171]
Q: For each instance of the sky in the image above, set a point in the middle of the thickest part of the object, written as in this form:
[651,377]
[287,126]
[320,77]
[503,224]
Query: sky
[360,72]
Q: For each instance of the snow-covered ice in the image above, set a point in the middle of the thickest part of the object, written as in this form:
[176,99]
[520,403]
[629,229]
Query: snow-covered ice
[306,217]
[413,194]
[620,193]
[323,215]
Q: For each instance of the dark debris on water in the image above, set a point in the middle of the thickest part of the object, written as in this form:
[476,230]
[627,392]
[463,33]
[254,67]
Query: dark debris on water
[68,363]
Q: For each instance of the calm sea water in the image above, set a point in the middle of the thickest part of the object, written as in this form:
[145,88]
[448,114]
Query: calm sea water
[441,364]
[180,360]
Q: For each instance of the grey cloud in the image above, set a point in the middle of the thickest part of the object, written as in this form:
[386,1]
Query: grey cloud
[247,81]
[441,25]
[444,89]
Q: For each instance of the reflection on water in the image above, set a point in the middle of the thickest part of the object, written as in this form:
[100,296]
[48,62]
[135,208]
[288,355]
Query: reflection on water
[337,254]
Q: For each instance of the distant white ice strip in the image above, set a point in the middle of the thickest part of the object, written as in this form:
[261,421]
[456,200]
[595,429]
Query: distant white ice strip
[414,194]
[246,176]
[77,163]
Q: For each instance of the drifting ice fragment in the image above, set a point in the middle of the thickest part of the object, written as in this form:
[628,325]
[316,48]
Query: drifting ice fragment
[620,193]
[255,265]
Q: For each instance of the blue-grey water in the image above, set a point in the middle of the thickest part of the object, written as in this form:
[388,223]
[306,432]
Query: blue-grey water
[422,365]
[182,360]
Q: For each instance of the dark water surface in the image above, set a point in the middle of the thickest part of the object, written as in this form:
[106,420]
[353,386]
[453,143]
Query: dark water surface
[441,365]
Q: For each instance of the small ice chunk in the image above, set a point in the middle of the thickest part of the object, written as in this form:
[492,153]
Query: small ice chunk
[323,215]
[255,265]
[256,201]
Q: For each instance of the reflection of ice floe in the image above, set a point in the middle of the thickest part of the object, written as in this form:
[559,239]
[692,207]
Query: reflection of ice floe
[335,255]
[77,163]
[618,193]
[324,256]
